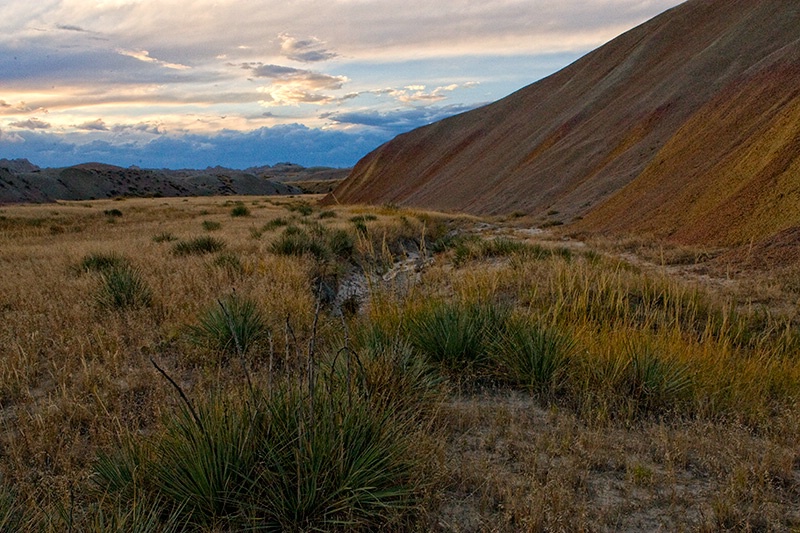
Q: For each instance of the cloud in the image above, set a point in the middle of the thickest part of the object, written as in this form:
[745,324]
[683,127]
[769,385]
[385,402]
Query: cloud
[309,78]
[70,27]
[141,127]
[416,93]
[293,86]
[397,120]
[306,51]
[144,56]
[265,146]
[10,138]
[31,124]
[93,125]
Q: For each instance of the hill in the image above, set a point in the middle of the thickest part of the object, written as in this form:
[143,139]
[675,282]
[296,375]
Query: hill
[21,181]
[686,128]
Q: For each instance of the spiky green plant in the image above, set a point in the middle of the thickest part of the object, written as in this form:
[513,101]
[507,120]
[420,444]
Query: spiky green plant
[101,262]
[211,225]
[198,246]
[164,237]
[295,241]
[240,211]
[529,355]
[281,461]
[655,382]
[457,335]
[123,287]
[232,325]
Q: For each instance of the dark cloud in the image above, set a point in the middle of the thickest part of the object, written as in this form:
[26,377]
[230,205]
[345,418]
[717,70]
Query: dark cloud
[399,120]
[265,146]
[307,77]
[31,124]
[306,51]
[70,27]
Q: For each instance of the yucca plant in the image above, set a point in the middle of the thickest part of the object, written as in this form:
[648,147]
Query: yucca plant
[295,241]
[279,461]
[240,211]
[457,335]
[101,262]
[233,325]
[123,287]
[655,382]
[529,355]
[198,246]
[342,465]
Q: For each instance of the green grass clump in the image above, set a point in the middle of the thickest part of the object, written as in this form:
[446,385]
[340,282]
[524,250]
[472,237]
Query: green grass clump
[280,461]
[275,223]
[198,246]
[457,335]
[240,211]
[101,262]
[230,263]
[211,225]
[123,287]
[317,241]
[654,382]
[164,237]
[233,325]
[327,214]
[532,356]
[303,208]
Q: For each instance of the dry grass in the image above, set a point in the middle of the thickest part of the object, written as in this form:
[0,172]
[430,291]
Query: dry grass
[624,442]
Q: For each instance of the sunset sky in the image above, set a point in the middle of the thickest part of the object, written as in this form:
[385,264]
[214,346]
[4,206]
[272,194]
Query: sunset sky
[179,83]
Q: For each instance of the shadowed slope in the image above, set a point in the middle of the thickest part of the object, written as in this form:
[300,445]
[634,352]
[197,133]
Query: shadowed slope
[684,123]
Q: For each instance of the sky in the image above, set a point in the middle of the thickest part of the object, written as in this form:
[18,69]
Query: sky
[241,83]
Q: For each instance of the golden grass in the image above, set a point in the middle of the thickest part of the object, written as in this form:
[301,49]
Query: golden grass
[75,376]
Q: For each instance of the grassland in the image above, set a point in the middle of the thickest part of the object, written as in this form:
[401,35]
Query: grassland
[220,364]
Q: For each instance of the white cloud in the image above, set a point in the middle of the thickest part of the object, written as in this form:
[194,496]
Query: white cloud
[10,138]
[144,56]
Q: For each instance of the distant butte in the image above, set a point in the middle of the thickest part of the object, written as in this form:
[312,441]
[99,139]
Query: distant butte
[686,128]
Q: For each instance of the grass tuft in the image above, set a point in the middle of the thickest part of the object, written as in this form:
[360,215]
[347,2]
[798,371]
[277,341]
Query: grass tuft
[533,357]
[198,246]
[123,287]
[233,325]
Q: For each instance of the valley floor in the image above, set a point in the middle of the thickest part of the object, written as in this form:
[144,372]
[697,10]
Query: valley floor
[497,377]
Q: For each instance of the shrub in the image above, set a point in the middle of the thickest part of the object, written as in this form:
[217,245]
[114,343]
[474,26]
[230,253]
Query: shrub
[211,225]
[342,244]
[275,223]
[230,263]
[232,325]
[123,287]
[533,357]
[240,211]
[198,246]
[457,335]
[301,207]
[279,461]
[112,213]
[164,237]
[327,214]
[295,241]
[653,382]
[100,262]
